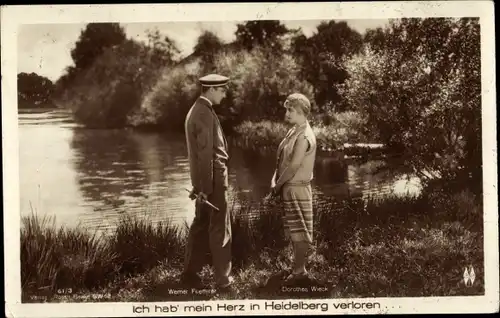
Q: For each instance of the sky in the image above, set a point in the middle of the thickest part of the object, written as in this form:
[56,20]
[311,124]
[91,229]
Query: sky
[45,49]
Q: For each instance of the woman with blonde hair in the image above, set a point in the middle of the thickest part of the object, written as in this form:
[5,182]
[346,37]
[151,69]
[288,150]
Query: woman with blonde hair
[292,181]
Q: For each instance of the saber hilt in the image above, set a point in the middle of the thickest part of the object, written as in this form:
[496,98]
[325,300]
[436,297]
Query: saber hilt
[203,200]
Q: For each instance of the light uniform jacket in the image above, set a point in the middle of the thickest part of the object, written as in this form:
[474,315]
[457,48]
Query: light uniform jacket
[207,147]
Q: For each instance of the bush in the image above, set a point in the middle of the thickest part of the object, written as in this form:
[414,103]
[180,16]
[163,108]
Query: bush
[260,83]
[352,125]
[420,91]
[461,206]
[266,135]
[330,137]
[103,95]
[169,101]
[261,135]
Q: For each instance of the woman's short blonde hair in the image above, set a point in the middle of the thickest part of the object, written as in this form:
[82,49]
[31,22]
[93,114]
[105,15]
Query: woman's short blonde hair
[299,101]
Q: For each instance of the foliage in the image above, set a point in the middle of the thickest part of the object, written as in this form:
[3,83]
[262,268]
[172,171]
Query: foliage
[331,137]
[34,90]
[65,82]
[207,47]
[95,39]
[257,90]
[167,103]
[422,92]
[164,50]
[376,39]
[261,33]
[341,128]
[430,64]
[261,134]
[104,94]
[98,38]
[351,125]
[260,83]
[320,59]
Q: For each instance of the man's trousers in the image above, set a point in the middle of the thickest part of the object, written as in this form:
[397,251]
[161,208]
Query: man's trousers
[211,230]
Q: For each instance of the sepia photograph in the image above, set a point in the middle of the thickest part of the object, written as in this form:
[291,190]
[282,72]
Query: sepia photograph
[179,165]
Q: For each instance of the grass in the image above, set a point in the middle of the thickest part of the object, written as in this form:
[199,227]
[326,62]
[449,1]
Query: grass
[384,248]
[53,257]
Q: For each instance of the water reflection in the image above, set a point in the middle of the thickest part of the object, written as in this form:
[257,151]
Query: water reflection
[133,173]
[94,177]
[250,173]
[48,181]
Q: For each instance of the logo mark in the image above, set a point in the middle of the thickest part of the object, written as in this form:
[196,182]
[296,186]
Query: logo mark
[469,276]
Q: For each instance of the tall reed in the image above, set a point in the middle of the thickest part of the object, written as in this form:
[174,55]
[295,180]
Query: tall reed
[391,246]
[63,258]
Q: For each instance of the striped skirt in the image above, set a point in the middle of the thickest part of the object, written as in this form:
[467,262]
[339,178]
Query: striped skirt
[298,212]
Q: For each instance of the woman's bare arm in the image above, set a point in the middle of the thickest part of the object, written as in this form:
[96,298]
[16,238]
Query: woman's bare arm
[273,179]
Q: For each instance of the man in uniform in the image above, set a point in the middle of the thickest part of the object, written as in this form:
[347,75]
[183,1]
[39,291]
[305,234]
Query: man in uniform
[208,156]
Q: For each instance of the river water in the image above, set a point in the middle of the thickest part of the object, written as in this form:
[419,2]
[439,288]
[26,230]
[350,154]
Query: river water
[92,178]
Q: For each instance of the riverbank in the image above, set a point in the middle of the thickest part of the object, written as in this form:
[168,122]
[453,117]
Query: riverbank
[381,248]
[264,136]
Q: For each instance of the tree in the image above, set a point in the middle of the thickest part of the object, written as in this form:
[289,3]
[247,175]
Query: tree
[93,40]
[107,93]
[259,89]
[321,58]
[64,81]
[207,46]
[267,33]
[375,38]
[421,92]
[164,50]
[34,90]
